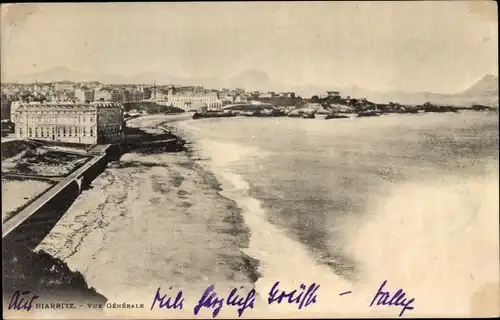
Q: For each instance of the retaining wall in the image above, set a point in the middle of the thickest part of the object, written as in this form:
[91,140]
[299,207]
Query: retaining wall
[33,223]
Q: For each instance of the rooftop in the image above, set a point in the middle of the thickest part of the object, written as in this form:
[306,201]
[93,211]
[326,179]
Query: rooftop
[72,105]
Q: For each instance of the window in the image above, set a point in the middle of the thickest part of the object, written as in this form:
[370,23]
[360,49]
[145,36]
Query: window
[91,132]
[30,132]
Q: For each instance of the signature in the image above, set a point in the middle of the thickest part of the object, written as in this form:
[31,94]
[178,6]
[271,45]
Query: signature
[398,299]
[165,302]
[302,297]
[18,303]
[306,296]
[209,299]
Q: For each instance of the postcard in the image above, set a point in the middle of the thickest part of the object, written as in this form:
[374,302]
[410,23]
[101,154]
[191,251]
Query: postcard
[262,160]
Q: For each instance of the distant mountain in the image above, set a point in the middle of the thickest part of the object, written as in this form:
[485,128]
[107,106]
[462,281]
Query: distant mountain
[484,91]
[251,79]
[65,74]
[487,85]
[51,75]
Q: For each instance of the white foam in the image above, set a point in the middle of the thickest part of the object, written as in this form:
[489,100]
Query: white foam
[436,239]
[440,245]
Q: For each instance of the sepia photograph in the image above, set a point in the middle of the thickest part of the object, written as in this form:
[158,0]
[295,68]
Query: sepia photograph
[259,160]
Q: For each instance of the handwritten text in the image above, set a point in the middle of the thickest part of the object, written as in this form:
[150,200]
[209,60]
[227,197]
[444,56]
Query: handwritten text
[398,299]
[18,303]
[209,299]
[166,302]
[305,297]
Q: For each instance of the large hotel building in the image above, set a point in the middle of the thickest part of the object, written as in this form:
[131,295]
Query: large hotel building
[86,123]
[193,100]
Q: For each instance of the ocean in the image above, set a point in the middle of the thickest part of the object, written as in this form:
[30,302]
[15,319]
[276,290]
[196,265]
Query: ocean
[412,199]
[345,204]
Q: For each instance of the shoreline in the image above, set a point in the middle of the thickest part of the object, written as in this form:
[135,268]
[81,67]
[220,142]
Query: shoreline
[259,250]
[186,177]
[251,263]
[278,112]
[76,247]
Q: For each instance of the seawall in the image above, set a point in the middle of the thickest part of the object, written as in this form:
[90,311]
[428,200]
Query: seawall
[23,268]
[34,222]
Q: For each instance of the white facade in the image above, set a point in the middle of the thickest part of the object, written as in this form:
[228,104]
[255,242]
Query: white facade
[62,86]
[13,107]
[189,101]
[84,95]
[86,123]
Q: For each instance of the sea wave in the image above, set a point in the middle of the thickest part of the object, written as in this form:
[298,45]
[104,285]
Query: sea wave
[435,238]
[280,257]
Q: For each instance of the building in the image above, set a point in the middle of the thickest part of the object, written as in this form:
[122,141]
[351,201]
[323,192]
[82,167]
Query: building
[332,94]
[146,92]
[194,100]
[64,86]
[240,98]
[133,95]
[86,123]
[267,95]
[102,95]
[84,95]
[5,107]
[127,95]
[118,96]
[13,107]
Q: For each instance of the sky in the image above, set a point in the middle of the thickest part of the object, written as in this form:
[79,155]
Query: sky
[409,46]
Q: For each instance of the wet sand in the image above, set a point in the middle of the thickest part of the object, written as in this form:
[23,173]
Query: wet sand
[153,221]
[160,220]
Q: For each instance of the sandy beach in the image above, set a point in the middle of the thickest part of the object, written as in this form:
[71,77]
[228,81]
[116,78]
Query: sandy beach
[167,212]
[168,221]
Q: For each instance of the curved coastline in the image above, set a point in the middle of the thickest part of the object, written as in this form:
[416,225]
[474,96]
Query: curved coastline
[276,250]
[241,229]
[195,233]
[68,257]
[183,184]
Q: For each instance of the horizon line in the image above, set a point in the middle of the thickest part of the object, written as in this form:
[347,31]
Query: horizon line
[303,86]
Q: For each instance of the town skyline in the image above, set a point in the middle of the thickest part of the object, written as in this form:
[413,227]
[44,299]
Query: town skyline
[302,50]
